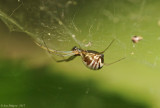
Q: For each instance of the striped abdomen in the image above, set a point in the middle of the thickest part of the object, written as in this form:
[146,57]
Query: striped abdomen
[93,59]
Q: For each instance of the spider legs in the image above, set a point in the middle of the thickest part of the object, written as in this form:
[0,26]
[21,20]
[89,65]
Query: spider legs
[108,46]
[68,59]
[115,61]
[62,54]
[49,50]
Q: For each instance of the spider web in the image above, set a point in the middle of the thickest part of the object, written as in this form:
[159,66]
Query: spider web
[89,24]
[92,25]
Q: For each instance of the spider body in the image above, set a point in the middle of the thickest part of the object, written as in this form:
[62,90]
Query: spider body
[91,59]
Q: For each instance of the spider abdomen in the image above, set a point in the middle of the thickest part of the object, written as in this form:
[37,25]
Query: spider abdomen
[93,60]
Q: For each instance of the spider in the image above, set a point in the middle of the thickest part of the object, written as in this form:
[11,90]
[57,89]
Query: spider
[92,59]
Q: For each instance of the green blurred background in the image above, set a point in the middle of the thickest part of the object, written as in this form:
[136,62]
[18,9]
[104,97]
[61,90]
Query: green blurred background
[30,78]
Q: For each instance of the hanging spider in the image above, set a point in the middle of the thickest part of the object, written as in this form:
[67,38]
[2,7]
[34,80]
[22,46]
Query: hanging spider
[92,59]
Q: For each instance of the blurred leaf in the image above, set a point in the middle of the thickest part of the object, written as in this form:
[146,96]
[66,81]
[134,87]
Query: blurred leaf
[40,87]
